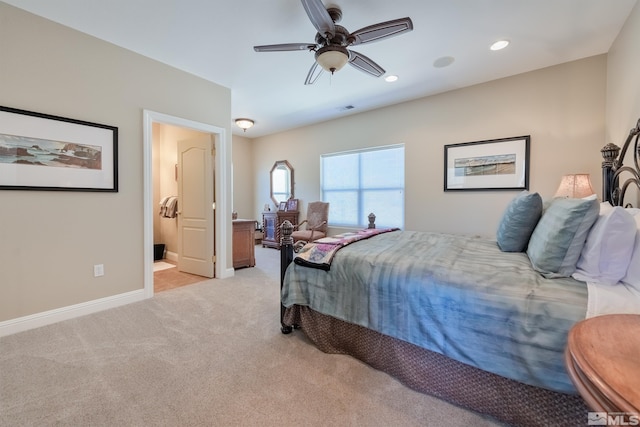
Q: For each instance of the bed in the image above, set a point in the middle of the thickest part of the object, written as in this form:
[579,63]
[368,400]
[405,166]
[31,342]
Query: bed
[479,322]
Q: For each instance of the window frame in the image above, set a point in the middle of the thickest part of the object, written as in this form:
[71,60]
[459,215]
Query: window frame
[362,217]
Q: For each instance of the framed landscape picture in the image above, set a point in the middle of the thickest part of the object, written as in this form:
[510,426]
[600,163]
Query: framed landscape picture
[496,164]
[45,152]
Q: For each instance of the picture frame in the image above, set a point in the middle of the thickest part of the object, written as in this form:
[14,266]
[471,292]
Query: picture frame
[45,152]
[282,206]
[292,205]
[495,164]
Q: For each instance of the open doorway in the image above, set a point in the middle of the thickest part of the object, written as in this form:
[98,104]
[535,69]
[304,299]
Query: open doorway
[183,233]
[153,123]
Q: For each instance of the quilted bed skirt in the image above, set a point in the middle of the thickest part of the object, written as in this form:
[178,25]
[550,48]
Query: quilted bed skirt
[432,373]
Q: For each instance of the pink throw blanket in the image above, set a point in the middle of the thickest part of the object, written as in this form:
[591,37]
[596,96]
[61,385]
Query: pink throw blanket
[320,253]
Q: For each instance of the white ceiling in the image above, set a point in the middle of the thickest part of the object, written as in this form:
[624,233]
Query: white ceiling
[214,39]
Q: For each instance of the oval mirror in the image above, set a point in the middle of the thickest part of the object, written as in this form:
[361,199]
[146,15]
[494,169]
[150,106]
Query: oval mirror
[281,182]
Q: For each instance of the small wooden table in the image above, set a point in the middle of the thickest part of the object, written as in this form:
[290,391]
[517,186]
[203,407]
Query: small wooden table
[244,243]
[603,361]
[271,222]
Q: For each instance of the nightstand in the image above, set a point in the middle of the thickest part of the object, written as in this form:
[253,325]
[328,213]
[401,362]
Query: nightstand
[244,243]
[603,361]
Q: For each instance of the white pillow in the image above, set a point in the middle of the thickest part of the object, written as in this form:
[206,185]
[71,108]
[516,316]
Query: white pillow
[605,207]
[633,272]
[606,253]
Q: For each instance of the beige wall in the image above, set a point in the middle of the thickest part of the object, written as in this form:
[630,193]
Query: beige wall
[561,107]
[51,240]
[623,85]
[243,178]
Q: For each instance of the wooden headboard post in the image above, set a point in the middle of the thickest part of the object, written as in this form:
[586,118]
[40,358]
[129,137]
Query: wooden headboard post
[286,256]
[612,167]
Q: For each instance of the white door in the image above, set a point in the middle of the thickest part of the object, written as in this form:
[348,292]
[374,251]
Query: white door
[195,206]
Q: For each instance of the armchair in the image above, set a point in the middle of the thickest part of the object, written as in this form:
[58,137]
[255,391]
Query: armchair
[315,224]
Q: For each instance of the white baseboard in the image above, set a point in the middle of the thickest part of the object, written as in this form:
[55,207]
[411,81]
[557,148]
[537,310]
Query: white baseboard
[171,256]
[37,320]
[228,272]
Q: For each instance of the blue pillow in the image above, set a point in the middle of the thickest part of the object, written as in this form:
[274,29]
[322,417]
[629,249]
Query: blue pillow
[518,222]
[556,242]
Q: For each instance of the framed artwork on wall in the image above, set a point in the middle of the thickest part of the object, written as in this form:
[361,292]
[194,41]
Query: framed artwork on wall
[496,164]
[44,152]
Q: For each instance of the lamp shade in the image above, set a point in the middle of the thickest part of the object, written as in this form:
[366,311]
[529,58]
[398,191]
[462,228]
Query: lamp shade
[575,186]
[332,58]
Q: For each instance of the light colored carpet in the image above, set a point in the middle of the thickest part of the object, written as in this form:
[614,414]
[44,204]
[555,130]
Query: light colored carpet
[161,265]
[209,354]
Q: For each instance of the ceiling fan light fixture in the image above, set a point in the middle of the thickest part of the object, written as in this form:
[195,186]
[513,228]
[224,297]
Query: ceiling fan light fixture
[244,124]
[332,58]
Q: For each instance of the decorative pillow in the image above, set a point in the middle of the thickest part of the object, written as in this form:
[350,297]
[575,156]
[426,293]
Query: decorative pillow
[556,242]
[633,272]
[518,221]
[607,250]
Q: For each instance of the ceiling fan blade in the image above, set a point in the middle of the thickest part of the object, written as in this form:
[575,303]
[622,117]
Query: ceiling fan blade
[284,47]
[365,64]
[382,30]
[314,72]
[319,17]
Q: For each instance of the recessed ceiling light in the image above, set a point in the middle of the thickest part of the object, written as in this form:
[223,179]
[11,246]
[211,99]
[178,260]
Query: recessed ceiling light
[443,61]
[500,44]
[391,78]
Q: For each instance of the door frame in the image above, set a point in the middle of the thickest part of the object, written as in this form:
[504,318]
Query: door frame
[221,195]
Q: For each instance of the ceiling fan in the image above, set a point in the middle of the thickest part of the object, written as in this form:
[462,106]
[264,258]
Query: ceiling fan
[333,41]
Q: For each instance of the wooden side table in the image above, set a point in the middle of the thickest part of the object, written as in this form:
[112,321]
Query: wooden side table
[271,222]
[244,243]
[603,361]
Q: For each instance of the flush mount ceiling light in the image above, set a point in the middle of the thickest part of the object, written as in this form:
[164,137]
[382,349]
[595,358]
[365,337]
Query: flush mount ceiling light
[500,44]
[244,124]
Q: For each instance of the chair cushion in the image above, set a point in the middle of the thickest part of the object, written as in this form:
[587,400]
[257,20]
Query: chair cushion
[317,216]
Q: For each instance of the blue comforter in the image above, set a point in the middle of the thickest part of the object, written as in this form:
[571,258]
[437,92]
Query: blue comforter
[456,295]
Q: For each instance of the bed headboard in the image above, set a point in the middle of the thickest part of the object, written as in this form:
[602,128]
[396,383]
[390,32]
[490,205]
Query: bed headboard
[616,177]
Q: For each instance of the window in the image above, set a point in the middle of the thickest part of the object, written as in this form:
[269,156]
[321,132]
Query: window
[357,183]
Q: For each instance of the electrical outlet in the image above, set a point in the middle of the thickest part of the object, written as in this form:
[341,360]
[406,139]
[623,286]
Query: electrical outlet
[98,270]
